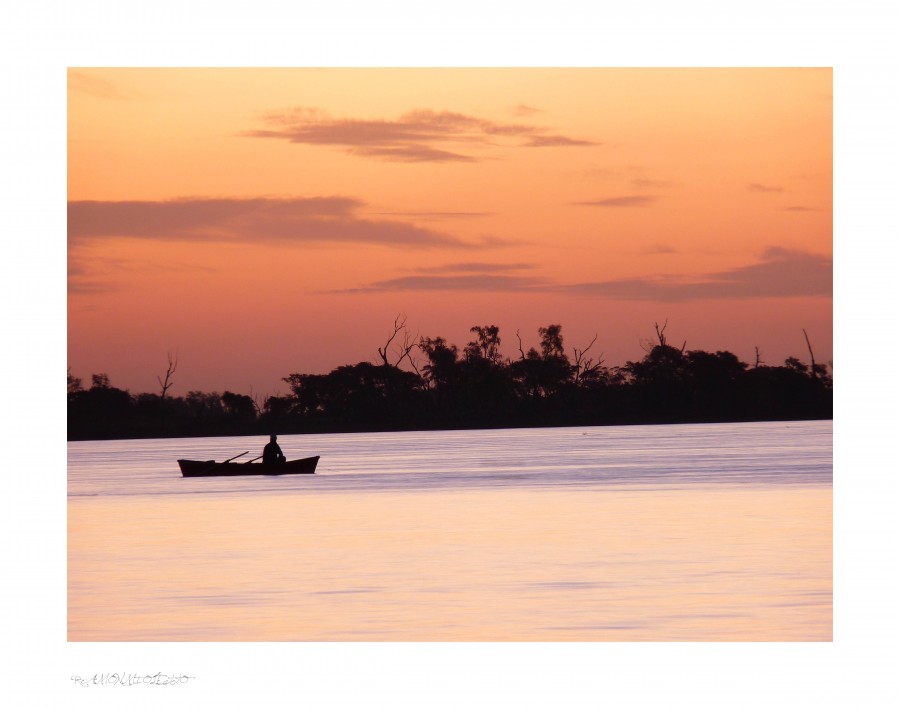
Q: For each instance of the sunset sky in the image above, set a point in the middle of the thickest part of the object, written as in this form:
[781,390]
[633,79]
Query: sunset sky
[259,222]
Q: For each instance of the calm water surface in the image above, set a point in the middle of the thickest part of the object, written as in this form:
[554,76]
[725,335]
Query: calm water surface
[693,532]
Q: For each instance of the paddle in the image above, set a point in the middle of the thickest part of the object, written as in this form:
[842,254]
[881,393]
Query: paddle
[247,462]
[213,467]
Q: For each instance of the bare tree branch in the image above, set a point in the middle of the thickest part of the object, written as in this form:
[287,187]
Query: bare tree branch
[812,359]
[585,367]
[579,355]
[399,324]
[648,346]
[256,401]
[401,351]
[660,333]
[409,344]
[170,370]
[521,351]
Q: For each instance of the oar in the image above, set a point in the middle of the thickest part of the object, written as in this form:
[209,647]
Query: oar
[247,462]
[213,467]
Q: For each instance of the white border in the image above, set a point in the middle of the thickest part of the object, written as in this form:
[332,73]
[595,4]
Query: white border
[41,39]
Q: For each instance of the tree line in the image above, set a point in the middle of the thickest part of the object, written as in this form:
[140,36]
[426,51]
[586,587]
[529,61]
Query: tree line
[422,383]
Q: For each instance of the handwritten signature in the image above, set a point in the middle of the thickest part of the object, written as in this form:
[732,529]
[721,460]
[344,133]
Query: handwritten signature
[129,679]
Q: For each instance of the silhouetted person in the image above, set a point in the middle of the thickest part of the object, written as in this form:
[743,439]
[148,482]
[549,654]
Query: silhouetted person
[272,454]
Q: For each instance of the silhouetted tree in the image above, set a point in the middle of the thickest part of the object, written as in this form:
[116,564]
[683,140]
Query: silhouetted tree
[544,374]
[796,365]
[586,369]
[552,342]
[278,414]
[442,369]
[100,381]
[714,384]
[477,387]
[73,385]
[100,410]
[353,395]
[238,407]
[788,392]
[166,383]
[486,344]
[486,393]
[205,407]
[659,380]
[402,350]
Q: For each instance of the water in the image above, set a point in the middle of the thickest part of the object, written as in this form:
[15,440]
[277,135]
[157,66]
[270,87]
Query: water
[693,532]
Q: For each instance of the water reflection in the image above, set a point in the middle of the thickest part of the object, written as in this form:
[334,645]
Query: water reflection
[587,537]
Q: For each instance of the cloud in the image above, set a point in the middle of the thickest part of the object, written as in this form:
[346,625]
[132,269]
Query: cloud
[416,136]
[86,286]
[649,184]
[780,273]
[756,187]
[489,241]
[474,267]
[799,208]
[256,220]
[661,249]
[101,274]
[411,153]
[549,141]
[82,278]
[473,276]
[471,282]
[525,110]
[635,175]
[634,200]
[315,127]
[437,215]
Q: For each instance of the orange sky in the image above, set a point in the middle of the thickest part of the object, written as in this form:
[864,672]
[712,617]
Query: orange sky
[260,222]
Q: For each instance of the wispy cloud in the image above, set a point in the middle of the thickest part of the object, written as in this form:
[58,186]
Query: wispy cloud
[474,267]
[92,286]
[661,249]
[473,276]
[632,200]
[101,274]
[491,241]
[525,110]
[256,220]
[436,215]
[644,183]
[757,187]
[549,141]
[415,136]
[80,266]
[780,273]
[636,176]
[800,208]
[470,282]
[410,153]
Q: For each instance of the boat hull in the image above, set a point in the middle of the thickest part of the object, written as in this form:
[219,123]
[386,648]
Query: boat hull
[209,468]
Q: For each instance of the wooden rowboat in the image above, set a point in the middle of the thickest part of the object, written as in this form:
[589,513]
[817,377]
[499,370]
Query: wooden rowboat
[210,468]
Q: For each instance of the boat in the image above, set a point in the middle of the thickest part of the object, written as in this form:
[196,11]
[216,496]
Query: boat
[210,468]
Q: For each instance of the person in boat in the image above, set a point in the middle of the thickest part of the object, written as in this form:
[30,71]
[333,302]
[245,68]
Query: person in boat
[272,454]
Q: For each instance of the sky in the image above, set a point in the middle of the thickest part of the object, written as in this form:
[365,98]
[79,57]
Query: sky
[260,222]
